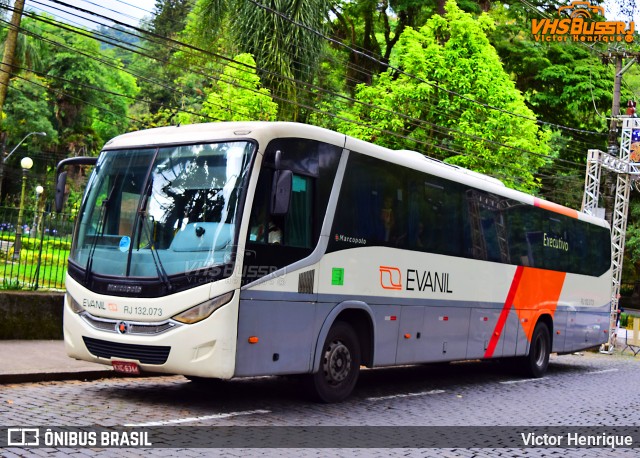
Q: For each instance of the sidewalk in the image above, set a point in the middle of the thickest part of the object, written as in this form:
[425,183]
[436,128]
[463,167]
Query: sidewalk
[44,360]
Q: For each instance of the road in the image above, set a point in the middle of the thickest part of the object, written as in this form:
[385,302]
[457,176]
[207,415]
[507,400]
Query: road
[587,389]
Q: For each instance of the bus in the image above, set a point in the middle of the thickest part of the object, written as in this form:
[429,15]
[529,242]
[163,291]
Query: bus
[227,250]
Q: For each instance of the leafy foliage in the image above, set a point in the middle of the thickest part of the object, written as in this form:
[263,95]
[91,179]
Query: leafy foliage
[73,79]
[28,108]
[287,53]
[631,271]
[239,96]
[565,83]
[451,55]
[66,91]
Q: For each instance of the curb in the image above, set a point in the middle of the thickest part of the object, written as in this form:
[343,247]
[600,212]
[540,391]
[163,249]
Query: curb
[81,376]
[58,376]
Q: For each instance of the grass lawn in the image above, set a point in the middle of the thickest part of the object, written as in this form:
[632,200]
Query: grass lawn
[21,273]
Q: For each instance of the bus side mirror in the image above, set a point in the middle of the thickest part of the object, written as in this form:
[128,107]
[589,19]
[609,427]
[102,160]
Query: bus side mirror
[60,187]
[281,192]
[62,176]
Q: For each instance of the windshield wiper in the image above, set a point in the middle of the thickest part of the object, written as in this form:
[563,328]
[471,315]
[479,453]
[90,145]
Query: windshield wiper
[104,207]
[141,218]
[162,273]
[99,233]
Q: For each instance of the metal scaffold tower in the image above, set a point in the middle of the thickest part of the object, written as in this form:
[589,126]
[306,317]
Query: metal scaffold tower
[626,168]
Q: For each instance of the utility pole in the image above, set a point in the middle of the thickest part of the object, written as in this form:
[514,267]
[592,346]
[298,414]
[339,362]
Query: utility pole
[609,184]
[615,105]
[6,68]
[618,162]
[625,171]
[617,58]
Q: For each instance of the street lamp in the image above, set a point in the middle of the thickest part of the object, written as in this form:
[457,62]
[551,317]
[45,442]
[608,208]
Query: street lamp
[4,159]
[26,163]
[36,213]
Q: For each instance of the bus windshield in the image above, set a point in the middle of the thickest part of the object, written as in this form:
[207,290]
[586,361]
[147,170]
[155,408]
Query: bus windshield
[155,212]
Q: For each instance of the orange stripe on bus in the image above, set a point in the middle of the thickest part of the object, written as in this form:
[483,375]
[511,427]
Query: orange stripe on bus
[556,208]
[497,332]
[538,291]
[532,292]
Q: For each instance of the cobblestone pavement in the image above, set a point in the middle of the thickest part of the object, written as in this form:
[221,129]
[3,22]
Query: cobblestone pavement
[589,389]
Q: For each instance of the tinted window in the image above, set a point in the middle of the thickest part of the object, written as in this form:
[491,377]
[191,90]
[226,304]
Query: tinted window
[277,241]
[384,204]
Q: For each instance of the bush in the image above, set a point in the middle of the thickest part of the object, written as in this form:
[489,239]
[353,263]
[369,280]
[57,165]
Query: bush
[9,284]
[58,244]
[626,290]
[624,319]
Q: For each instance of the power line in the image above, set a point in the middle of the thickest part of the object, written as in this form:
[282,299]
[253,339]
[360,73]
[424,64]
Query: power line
[351,100]
[440,129]
[435,85]
[115,42]
[202,115]
[442,147]
[105,91]
[60,91]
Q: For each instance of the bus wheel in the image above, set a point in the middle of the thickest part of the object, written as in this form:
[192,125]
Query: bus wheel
[339,366]
[536,362]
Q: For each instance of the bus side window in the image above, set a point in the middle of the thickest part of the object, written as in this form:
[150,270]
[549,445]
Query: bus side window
[296,228]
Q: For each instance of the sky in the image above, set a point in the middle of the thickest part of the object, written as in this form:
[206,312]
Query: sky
[611,8]
[127,11]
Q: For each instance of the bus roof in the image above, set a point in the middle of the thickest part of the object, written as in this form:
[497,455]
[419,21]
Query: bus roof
[264,131]
[216,131]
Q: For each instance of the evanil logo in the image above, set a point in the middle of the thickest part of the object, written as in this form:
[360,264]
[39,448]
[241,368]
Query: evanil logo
[390,277]
[415,280]
[581,25]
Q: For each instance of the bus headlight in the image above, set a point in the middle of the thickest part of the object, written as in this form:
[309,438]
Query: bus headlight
[202,311]
[74,305]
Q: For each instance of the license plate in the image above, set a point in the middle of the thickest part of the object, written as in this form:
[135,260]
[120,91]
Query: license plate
[126,367]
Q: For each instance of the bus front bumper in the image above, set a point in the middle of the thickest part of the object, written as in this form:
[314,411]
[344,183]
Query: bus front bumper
[204,349]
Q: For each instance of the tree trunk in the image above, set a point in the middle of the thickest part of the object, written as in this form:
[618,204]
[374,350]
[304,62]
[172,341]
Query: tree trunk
[9,51]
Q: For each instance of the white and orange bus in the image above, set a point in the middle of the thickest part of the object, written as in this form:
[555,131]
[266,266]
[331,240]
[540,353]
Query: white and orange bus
[242,249]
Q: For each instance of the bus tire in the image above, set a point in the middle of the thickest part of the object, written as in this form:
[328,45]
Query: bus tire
[536,362]
[339,365]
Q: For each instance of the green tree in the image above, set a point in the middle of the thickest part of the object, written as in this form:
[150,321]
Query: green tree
[65,91]
[238,96]
[170,16]
[160,68]
[118,34]
[565,84]
[113,118]
[29,109]
[287,53]
[6,67]
[631,272]
[440,101]
[73,79]
[370,32]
